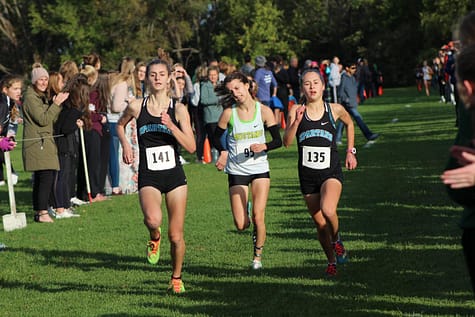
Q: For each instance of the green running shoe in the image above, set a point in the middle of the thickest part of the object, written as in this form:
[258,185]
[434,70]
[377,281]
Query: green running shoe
[153,249]
[176,286]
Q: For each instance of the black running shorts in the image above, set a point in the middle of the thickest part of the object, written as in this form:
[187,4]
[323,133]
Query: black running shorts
[234,180]
[164,181]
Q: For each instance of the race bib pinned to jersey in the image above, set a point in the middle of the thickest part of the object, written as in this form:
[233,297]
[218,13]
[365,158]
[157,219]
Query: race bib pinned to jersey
[316,157]
[246,155]
[160,158]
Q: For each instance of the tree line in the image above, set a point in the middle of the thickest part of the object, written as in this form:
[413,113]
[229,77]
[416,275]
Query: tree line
[394,34]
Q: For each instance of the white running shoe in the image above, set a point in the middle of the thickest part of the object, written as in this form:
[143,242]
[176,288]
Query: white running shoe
[256,265]
[78,202]
[2,183]
[67,213]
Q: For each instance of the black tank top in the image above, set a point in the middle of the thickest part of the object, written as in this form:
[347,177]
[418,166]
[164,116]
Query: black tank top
[317,142]
[152,134]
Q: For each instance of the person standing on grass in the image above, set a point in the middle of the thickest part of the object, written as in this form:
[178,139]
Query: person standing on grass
[348,95]
[10,94]
[40,154]
[70,119]
[244,158]
[211,107]
[162,126]
[459,175]
[320,172]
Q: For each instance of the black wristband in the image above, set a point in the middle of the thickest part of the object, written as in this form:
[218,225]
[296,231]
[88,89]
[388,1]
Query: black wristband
[216,139]
[276,141]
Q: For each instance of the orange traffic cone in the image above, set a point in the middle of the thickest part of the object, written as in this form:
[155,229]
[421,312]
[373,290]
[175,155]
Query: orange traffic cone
[282,120]
[207,152]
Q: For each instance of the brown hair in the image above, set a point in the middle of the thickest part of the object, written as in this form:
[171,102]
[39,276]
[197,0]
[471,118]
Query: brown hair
[102,86]
[91,59]
[227,99]
[78,89]
[7,82]
[68,69]
[138,86]
[53,85]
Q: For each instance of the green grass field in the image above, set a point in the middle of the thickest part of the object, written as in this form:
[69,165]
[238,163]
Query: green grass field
[395,218]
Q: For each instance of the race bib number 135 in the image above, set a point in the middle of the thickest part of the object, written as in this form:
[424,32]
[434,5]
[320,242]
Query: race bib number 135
[316,157]
[160,158]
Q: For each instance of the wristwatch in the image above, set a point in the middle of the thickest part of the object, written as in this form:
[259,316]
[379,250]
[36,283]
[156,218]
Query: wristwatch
[352,150]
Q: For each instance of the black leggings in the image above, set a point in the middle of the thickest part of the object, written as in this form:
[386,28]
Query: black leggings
[43,187]
[62,185]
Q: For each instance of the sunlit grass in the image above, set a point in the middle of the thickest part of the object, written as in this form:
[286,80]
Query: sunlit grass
[395,218]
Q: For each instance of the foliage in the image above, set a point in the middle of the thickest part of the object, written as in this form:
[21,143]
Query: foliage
[440,18]
[396,35]
[395,219]
[66,30]
[263,36]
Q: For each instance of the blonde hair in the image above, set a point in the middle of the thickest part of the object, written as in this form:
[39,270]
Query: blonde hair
[91,73]
[126,73]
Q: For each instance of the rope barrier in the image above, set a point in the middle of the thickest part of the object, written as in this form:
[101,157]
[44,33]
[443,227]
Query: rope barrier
[40,138]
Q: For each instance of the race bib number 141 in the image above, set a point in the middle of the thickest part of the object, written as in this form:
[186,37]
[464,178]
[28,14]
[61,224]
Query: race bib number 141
[160,158]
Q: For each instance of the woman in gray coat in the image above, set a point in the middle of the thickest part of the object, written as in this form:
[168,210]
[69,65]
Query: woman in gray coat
[39,149]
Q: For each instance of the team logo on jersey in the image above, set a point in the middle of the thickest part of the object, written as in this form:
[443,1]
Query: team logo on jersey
[154,127]
[316,133]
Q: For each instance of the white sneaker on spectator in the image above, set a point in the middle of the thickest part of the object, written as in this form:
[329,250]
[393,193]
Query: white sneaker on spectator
[51,212]
[2,183]
[67,213]
[78,202]
[183,161]
[14,179]
[71,213]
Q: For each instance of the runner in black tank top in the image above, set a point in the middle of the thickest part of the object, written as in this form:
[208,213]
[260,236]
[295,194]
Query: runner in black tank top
[159,165]
[320,174]
[162,125]
[318,155]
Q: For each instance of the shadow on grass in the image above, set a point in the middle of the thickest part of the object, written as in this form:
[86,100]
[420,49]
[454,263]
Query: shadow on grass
[83,260]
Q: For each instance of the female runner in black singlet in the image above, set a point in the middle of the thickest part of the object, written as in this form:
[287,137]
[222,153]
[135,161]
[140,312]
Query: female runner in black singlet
[320,174]
[162,125]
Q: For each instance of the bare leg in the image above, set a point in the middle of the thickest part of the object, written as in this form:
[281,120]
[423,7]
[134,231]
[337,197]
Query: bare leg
[260,193]
[238,196]
[322,208]
[151,201]
[176,205]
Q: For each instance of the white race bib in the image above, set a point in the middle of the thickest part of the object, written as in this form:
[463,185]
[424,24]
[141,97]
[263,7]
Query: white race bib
[160,158]
[316,157]
[245,154]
